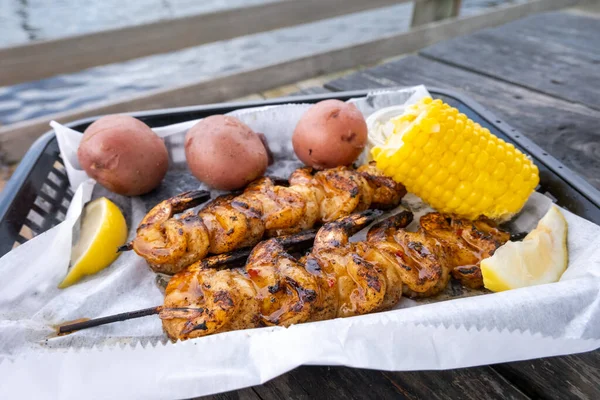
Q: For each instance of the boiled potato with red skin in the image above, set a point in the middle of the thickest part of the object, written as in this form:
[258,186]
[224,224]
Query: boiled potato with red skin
[123,154]
[225,153]
[331,133]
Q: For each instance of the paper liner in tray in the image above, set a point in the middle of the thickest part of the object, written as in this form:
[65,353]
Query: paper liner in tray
[236,360]
[133,359]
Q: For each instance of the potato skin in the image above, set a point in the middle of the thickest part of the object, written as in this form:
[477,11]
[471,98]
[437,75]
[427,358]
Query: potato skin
[123,154]
[331,133]
[225,153]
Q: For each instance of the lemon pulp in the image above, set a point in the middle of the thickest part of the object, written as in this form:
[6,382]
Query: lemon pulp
[103,230]
[540,258]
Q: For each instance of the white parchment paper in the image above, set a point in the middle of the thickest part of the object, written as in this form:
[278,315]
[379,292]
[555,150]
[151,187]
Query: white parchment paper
[133,359]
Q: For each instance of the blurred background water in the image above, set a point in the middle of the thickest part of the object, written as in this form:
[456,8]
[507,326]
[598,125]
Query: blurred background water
[23,21]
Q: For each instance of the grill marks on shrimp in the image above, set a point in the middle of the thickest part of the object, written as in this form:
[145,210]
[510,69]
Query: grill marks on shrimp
[338,278]
[263,209]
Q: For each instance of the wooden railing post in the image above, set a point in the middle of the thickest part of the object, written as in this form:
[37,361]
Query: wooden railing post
[426,11]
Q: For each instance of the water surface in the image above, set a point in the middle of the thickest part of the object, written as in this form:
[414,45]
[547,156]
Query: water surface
[22,21]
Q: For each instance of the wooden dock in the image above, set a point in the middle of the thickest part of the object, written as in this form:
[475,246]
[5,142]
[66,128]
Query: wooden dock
[39,60]
[541,74]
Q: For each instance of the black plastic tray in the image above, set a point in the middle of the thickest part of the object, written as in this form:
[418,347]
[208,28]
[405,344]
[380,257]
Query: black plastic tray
[37,196]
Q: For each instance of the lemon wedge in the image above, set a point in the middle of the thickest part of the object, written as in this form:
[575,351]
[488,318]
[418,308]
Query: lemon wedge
[103,229]
[540,258]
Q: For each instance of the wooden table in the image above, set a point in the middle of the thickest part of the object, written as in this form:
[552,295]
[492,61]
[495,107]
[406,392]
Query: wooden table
[542,75]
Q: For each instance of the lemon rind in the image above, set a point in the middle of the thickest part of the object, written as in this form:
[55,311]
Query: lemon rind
[110,234]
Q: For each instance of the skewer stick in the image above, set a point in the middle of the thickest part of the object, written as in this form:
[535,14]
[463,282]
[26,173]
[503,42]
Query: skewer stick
[293,242]
[234,258]
[230,260]
[518,237]
[298,241]
[125,247]
[68,328]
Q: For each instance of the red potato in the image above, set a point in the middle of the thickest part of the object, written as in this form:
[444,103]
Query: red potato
[331,133]
[123,154]
[225,153]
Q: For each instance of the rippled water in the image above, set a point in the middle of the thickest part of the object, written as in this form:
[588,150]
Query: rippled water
[26,20]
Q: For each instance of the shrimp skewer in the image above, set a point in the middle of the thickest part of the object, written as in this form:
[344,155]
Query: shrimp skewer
[162,238]
[338,278]
[292,243]
[264,209]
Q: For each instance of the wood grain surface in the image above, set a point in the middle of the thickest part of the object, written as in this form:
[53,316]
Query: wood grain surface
[16,138]
[516,84]
[544,61]
[568,377]
[566,129]
[562,28]
[317,382]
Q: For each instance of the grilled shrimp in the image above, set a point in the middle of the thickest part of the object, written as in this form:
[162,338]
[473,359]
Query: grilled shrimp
[272,289]
[350,284]
[264,209]
[414,256]
[338,278]
[170,244]
[201,302]
[464,244]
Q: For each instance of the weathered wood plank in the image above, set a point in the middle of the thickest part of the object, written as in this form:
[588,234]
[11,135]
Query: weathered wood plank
[15,139]
[567,131]
[341,382]
[469,383]
[314,382]
[310,90]
[576,31]
[44,59]
[284,387]
[345,383]
[243,394]
[541,63]
[568,377]
[281,91]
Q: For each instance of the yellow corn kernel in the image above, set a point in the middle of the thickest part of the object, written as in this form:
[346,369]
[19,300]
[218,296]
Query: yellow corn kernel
[438,152]
[452,182]
[404,167]
[410,135]
[430,146]
[473,197]
[421,180]
[449,121]
[430,170]
[437,191]
[440,176]
[446,196]
[454,164]
[446,159]
[464,173]
[454,203]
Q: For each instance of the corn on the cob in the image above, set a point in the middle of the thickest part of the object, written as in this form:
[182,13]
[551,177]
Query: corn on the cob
[454,164]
